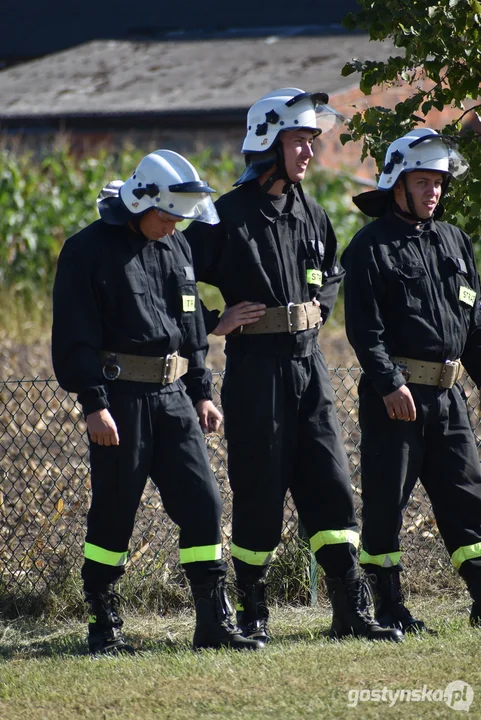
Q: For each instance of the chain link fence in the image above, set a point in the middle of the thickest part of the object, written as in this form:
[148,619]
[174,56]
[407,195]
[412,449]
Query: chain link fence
[45,485]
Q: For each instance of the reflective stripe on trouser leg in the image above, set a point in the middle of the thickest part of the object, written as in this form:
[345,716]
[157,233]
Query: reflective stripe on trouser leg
[252,557]
[467,552]
[383,560]
[105,557]
[333,537]
[200,554]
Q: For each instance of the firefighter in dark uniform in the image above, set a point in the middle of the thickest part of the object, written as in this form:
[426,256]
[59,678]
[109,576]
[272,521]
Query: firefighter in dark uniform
[129,338]
[413,317]
[273,257]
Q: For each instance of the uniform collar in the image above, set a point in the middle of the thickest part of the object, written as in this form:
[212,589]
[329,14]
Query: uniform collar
[408,229]
[293,206]
[139,242]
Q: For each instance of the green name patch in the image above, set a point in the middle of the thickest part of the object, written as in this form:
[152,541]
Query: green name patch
[188,303]
[467,296]
[314,277]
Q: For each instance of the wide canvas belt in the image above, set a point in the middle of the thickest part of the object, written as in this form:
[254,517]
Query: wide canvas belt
[425,372]
[285,319]
[163,370]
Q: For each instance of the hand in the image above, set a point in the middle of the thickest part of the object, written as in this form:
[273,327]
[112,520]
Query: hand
[400,404]
[244,313]
[102,428]
[317,304]
[209,417]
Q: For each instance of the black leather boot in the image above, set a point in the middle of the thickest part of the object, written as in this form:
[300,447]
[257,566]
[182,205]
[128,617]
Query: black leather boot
[214,627]
[390,610]
[252,610]
[105,625]
[471,574]
[350,615]
[475,614]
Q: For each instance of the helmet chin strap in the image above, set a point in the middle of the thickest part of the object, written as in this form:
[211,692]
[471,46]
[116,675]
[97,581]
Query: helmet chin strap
[134,221]
[412,214]
[280,173]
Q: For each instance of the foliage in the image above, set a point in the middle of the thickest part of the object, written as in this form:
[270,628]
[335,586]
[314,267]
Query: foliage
[46,198]
[441,62]
[334,193]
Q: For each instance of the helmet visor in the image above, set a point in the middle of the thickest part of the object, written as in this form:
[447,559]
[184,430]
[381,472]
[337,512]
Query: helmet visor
[193,206]
[327,118]
[458,165]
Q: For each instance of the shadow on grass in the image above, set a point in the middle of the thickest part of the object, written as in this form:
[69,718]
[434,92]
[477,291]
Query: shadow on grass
[308,636]
[36,642]
[30,640]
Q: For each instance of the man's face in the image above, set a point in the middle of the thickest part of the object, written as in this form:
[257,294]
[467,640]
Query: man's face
[297,146]
[156,224]
[425,187]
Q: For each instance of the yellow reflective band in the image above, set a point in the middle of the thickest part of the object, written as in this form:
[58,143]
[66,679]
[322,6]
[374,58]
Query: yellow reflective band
[252,557]
[106,557]
[92,618]
[384,560]
[333,537]
[467,552]
[200,554]
[314,277]
[188,303]
[467,296]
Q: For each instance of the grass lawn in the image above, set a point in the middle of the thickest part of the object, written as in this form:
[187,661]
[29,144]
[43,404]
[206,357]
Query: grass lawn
[45,673]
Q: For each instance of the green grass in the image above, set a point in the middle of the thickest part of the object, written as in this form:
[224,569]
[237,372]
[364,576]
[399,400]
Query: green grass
[45,673]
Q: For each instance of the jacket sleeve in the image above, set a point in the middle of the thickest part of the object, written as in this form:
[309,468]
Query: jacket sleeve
[198,379]
[363,296]
[76,330]
[471,357]
[332,273]
[205,243]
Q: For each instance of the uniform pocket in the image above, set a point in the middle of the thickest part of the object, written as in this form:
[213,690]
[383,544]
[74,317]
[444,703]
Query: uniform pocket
[408,273]
[409,286]
[126,302]
[186,292]
[458,274]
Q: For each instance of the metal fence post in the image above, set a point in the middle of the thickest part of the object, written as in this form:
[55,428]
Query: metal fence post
[313,571]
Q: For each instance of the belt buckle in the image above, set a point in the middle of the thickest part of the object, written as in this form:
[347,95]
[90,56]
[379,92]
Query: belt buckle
[111,369]
[167,366]
[449,374]
[289,318]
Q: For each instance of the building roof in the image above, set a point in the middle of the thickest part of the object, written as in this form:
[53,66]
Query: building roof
[31,28]
[112,77]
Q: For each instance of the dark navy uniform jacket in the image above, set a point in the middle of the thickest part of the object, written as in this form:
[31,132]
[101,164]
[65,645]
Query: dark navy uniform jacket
[262,253]
[114,290]
[412,293]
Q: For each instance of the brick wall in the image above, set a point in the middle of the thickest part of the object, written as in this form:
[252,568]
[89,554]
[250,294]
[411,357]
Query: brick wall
[331,154]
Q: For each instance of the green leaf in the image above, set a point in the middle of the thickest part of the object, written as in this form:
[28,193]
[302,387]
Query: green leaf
[349,22]
[348,69]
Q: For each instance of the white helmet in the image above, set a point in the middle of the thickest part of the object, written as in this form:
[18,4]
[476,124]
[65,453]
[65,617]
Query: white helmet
[163,180]
[287,109]
[167,181]
[421,149]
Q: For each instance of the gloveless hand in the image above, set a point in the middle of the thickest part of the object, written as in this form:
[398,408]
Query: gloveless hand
[102,428]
